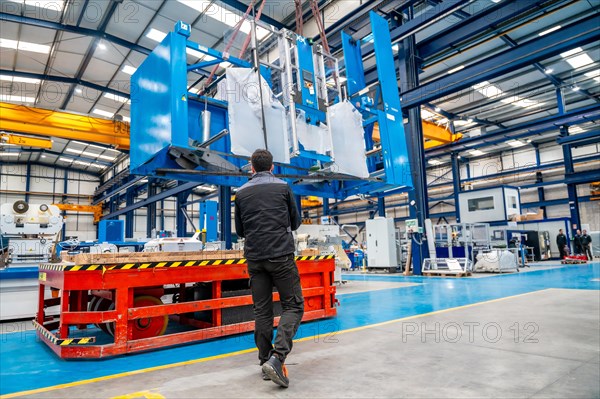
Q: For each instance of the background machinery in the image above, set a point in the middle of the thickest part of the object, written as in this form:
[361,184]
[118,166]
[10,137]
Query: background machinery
[27,235]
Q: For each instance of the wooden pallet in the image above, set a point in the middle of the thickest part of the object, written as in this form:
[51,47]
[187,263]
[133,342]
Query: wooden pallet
[134,257]
[445,273]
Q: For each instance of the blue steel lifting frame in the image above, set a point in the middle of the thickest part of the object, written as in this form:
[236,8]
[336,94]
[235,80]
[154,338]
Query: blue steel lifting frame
[165,116]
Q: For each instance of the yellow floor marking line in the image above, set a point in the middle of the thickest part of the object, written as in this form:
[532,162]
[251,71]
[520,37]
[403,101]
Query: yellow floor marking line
[245,351]
[140,395]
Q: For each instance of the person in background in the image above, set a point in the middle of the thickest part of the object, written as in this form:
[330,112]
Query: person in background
[265,215]
[586,245]
[561,242]
[577,247]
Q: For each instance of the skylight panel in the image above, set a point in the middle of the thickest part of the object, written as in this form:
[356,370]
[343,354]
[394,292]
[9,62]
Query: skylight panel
[156,35]
[24,46]
[104,113]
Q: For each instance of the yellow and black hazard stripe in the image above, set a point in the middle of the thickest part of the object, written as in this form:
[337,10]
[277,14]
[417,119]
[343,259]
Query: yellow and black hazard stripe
[164,265]
[62,342]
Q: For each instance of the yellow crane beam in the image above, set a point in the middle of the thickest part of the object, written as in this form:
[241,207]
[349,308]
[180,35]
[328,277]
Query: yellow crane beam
[95,209]
[43,122]
[25,141]
[434,135]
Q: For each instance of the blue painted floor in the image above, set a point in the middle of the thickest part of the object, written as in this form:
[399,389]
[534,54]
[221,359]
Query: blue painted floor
[26,363]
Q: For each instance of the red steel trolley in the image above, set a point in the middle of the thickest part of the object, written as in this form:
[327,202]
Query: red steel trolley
[133,300]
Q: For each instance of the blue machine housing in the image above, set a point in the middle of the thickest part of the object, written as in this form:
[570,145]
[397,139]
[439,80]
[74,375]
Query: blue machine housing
[165,116]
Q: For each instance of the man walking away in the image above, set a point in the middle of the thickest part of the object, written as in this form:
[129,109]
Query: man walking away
[586,244]
[265,215]
[561,242]
[577,247]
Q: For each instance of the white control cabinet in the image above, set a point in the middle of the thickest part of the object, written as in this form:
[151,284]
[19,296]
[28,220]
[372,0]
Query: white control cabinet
[381,243]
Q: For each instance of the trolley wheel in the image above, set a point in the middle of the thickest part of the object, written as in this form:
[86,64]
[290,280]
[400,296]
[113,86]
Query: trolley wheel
[150,326]
[20,207]
[98,304]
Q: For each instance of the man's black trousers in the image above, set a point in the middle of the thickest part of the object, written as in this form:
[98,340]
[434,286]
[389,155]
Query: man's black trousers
[282,273]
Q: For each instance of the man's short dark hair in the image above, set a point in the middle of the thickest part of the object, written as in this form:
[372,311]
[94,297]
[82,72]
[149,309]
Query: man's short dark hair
[262,160]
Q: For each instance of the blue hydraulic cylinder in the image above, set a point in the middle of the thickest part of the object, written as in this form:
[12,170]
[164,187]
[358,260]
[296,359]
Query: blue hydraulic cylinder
[209,220]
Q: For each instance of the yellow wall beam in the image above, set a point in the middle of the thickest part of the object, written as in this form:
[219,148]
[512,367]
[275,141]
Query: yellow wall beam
[43,122]
[25,141]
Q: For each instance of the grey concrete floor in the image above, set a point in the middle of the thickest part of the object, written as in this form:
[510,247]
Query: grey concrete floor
[540,345]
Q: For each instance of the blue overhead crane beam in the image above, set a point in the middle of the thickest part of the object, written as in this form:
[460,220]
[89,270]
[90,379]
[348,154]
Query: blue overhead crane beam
[482,21]
[576,34]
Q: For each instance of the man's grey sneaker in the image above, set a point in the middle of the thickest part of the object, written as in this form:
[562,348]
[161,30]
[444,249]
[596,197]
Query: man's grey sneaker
[276,371]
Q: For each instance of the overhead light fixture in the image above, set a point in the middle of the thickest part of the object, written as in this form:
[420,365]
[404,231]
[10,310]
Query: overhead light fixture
[74,151]
[42,156]
[548,71]
[458,68]
[579,60]
[470,120]
[156,35]
[528,141]
[10,98]
[595,74]
[18,79]
[106,157]
[78,90]
[437,109]
[82,163]
[434,162]
[115,97]
[575,129]
[24,46]
[476,153]
[70,160]
[488,89]
[515,143]
[557,27]
[104,113]
[144,181]
[575,88]
[128,69]
[101,46]
[55,5]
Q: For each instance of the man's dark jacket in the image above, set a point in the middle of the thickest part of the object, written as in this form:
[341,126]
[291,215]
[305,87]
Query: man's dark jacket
[265,215]
[586,240]
[561,240]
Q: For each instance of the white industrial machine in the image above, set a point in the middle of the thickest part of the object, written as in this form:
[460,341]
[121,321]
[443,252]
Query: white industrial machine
[174,244]
[497,204]
[27,233]
[381,244]
[327,239]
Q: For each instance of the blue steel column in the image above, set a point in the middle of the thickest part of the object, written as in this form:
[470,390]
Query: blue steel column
[180,219]
[381,206]
[64,200]
[28,182]
[129,216]
[225,215]
[162,215]
[456,183]
[539,178]
[325,206]
[151,210]
[569,168]
[409,79]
